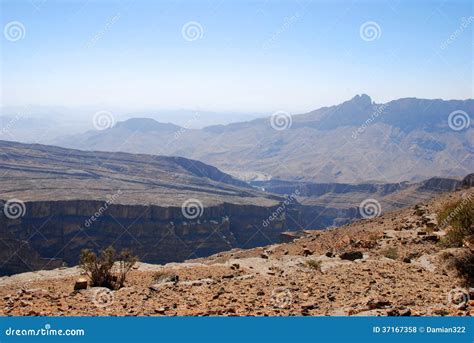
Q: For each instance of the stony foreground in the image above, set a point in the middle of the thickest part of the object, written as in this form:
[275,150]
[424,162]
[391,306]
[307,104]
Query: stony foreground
[390,265]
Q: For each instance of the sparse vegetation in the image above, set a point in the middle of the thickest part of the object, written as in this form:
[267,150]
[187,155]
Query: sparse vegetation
[463,263]
[391,252]
[107,270]
[459,216]
[465,267]
[314,264]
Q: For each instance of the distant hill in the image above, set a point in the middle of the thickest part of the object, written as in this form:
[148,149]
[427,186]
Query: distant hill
[356,141]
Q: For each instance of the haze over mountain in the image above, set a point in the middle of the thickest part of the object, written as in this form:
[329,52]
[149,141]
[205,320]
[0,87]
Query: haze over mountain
[44,124]
[356,141]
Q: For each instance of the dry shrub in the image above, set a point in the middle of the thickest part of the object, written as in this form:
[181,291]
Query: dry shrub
[107,270]
[313,264]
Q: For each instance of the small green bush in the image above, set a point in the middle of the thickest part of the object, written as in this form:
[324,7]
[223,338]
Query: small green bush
[108,270]
[459,218]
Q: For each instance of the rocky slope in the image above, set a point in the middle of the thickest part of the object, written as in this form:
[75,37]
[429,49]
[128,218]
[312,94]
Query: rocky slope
[354,142]
[389,265]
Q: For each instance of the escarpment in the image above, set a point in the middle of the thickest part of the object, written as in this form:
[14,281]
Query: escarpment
[52,233]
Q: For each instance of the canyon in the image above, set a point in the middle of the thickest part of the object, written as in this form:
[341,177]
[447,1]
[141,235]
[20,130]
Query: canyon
[164,209]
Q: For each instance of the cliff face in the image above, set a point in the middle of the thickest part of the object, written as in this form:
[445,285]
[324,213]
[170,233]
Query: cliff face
[334,204]
[52,233]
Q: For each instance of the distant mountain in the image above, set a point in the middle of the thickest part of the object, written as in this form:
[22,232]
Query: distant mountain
[34,172]
[356,141]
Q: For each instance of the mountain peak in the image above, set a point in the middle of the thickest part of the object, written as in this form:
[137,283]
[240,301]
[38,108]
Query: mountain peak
[363,99]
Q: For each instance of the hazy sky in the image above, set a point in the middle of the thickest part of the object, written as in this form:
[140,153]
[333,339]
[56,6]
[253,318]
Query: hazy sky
[236,55]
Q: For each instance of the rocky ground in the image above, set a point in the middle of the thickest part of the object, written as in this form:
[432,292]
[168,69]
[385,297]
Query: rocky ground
[389,265]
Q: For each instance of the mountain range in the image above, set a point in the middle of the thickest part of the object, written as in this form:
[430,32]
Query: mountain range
[357,141]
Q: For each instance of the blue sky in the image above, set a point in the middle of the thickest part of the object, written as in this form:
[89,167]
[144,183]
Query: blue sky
[256,56]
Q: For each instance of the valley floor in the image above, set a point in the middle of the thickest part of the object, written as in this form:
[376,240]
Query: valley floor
[390,265]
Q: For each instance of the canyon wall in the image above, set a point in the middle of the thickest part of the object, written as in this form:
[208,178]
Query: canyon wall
[52,233]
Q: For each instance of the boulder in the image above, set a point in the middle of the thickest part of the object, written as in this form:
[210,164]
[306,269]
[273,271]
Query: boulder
[378,303]
[431,238]
[351,255]
[81,283]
